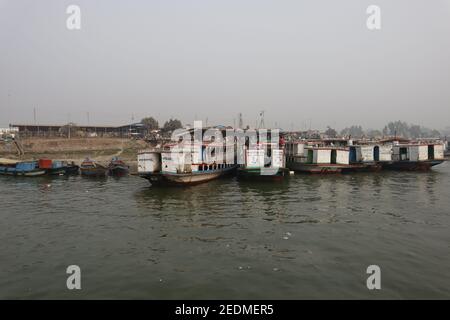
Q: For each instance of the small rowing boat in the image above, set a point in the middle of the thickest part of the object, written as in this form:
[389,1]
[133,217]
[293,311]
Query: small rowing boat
[92,169]
[117,167]
[23,168]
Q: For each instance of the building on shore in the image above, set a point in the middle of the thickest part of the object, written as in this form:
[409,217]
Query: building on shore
[8,131]
[73,130]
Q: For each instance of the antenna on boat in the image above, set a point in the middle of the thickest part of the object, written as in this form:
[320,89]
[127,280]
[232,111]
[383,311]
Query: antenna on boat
[261,117]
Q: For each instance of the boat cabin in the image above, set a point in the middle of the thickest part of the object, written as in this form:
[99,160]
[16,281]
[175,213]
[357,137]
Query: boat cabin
[301,152]
[418,152]
[264,157]
[186,159]
[370,153]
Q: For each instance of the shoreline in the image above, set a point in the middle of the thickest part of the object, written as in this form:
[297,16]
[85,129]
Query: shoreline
[102,150]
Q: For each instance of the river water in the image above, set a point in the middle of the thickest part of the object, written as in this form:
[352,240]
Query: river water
[307,237]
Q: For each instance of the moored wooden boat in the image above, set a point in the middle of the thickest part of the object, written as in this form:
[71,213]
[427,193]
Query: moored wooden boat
[186,179]
[22,168]
[317,158]
[52,167]
[58,168]
[91,168]
[72,169]
[254,166]
[118,168]
[368,156]
[185,167]
[258,174]
[415,156]
[423,165]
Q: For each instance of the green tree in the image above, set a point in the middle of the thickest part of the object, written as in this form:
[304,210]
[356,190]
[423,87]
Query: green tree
[172,125]
[150,123]
[397,128]
[353,131]
[330,132]
[373,133]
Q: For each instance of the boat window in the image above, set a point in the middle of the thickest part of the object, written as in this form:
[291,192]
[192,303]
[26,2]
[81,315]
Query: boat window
[430,152]
[403,154]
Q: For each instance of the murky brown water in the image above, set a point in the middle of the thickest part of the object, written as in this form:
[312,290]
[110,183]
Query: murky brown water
[307,237]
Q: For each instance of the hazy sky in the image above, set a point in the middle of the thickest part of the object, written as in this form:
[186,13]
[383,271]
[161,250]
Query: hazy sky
[302,62]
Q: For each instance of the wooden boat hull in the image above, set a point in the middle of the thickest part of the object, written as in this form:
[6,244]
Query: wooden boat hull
[32,173]
[90,168]
[185,179]
[411,165]
[12,171]
[56,171]
[118,171]
[96,172]
[364,167]
[317,168]
[255,173]
[72,170]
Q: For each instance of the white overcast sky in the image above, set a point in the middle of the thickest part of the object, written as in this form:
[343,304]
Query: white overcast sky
[301,61]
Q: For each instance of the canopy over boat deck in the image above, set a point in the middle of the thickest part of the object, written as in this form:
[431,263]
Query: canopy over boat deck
[8,162]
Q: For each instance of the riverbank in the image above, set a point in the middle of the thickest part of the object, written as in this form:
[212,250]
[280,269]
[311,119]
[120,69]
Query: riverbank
[99,149]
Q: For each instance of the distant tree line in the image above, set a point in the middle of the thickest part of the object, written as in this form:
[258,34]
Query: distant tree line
[170,125]
[393,128]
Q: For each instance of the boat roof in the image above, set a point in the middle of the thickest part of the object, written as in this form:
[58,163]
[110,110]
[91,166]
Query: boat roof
[327,148]
[5,161]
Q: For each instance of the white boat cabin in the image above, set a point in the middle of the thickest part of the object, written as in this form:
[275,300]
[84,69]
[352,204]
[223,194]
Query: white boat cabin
[303,153]
[370,153]
[186,159]
[418,152]
[261,157]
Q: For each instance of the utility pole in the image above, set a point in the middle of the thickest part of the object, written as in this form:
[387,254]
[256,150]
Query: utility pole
[132,120]
[35,121]
[69,125]
[241,122]
[261,116]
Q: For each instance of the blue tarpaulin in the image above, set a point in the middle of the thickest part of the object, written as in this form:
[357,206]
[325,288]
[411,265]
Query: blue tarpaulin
[26,166]
[57,164]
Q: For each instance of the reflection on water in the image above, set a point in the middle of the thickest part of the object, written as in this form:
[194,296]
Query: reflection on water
[305,237]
